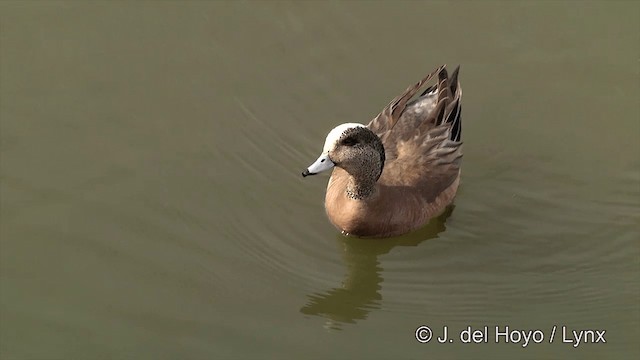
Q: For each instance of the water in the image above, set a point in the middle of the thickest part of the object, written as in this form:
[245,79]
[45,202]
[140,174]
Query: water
[152,205]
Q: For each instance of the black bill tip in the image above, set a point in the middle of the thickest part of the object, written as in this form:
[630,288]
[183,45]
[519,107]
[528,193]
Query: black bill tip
[306,173]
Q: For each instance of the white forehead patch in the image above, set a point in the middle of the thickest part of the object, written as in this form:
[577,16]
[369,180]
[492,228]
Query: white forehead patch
[335,134]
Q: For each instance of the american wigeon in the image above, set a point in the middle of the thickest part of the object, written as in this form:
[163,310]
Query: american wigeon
[402,169]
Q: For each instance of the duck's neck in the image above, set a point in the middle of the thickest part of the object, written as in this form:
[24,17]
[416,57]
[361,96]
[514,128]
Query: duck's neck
[364,174]
[361,187]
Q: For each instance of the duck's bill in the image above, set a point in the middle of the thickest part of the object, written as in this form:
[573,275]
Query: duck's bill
[322,164]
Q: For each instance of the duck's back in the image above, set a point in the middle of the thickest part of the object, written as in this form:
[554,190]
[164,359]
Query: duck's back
[422,138]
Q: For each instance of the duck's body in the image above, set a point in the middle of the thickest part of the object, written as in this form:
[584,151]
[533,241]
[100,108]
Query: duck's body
[382,215]
[402,169]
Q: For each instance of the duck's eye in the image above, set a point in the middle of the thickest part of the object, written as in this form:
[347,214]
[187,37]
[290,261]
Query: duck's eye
[349,142]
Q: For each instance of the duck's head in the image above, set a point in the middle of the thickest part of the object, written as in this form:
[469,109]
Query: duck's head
[352,147]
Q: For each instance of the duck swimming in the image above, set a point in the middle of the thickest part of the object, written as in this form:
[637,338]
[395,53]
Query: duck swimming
[393,175]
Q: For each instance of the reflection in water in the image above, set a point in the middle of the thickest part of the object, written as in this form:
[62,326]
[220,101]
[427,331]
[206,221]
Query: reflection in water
[359,293]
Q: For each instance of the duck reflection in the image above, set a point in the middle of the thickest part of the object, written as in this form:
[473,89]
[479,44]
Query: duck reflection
[360,290]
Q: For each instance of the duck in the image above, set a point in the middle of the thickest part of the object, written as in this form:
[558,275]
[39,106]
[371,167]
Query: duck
[391,176]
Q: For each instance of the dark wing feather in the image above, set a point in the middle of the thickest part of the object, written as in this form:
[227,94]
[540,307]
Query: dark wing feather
[422,138]
[389,116]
